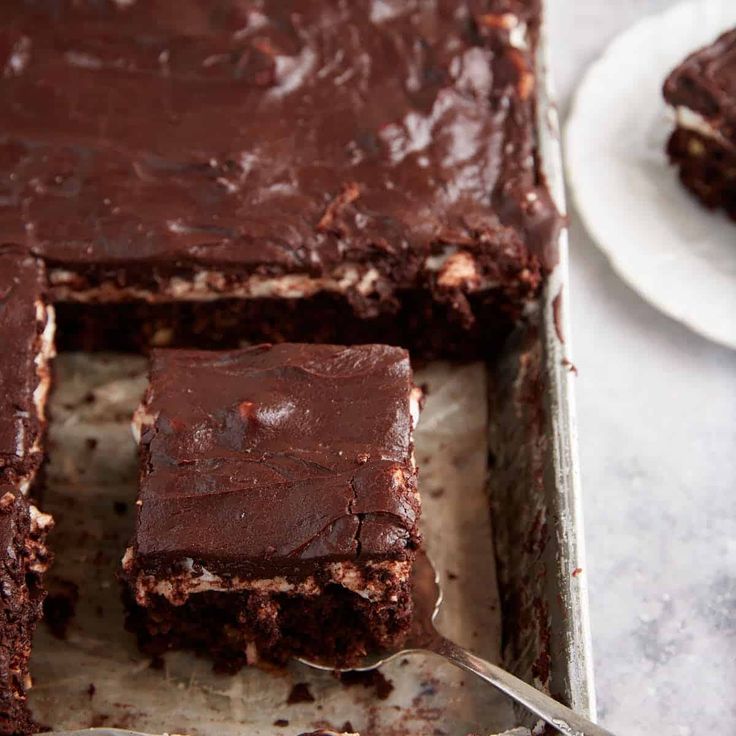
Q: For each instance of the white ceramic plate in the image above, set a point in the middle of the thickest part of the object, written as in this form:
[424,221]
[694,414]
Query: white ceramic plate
[676,254]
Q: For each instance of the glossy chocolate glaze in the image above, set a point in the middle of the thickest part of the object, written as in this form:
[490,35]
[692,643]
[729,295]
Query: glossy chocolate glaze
[706,83]
[21,289]
[142,139]
[272,459]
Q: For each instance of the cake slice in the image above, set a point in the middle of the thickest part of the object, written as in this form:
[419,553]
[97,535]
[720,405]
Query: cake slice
[702,92]
[23,560]
[26,348]
[278,505]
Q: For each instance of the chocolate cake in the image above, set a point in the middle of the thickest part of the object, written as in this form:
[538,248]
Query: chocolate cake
[210,172]
[277,495]
[23,560]
[26,347]
[702,91]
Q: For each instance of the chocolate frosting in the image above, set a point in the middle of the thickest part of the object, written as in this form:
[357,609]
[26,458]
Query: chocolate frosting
[706,83]
[274,136]
[277,457]
[21,288]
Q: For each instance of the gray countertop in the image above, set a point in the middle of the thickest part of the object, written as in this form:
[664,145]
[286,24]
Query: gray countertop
[657,416]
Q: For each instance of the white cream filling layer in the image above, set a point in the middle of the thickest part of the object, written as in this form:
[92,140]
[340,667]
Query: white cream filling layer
[457,268]
[141,418]
[415,399]
[691,120]
[40,524]
[46,351]
[210,285]
[177,588]
[44,313]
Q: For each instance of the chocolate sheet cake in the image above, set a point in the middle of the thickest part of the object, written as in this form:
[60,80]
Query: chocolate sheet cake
[209,173]
[23,560]
[189,168]
[26,347]
[278,506]
[702,91]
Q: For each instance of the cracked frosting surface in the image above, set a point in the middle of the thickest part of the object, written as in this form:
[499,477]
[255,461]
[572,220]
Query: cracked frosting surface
[276,459]
[273,137]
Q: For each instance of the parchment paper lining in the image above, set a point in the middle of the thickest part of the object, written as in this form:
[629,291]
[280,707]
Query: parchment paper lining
[96,676]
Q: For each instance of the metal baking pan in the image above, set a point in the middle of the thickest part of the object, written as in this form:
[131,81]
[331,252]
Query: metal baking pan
[516,593]
[534,477]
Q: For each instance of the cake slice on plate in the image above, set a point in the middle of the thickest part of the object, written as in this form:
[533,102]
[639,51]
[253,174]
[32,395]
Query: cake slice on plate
[702,92]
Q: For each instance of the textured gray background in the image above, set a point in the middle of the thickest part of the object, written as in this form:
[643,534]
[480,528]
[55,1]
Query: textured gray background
[657,414]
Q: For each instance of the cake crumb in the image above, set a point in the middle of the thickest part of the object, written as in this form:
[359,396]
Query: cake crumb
[6,502]
[370,679]
[300,693]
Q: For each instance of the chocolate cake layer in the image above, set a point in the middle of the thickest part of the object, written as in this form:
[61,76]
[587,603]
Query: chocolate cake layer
[23,560]
[276,150]
[239,628]
[26,342]
[706,168]
[428,328]
[278,490]
[702,91]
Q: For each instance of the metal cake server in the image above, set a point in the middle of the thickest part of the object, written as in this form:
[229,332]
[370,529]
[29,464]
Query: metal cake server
[424,638]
